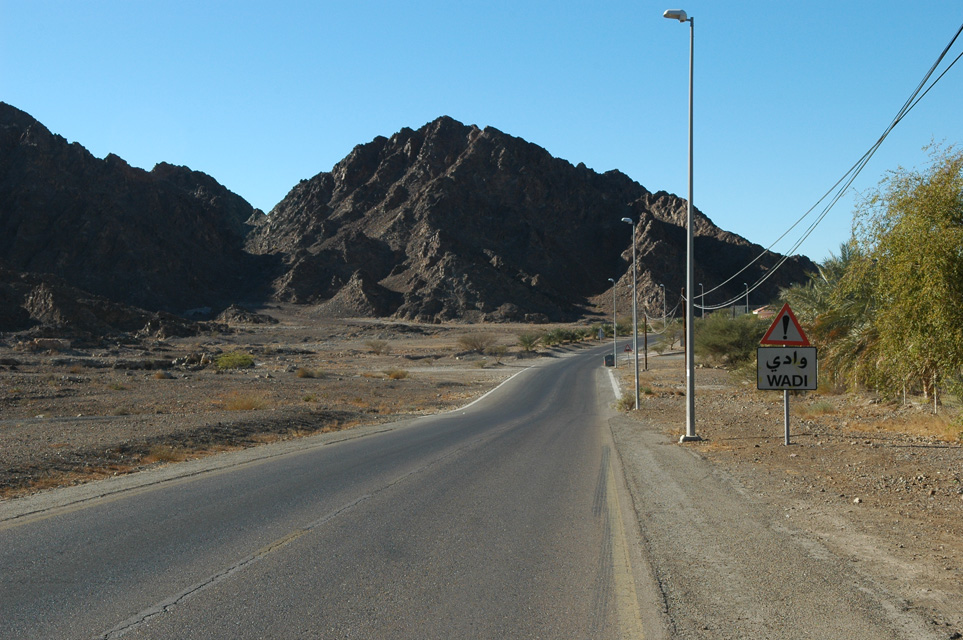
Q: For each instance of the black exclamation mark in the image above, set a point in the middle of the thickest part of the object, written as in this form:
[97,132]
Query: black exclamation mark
[785,327]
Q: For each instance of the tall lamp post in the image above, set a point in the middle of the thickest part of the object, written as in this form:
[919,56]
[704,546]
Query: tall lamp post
[747,297]
[635,314]
[615,329]
[690,433]
[702,299]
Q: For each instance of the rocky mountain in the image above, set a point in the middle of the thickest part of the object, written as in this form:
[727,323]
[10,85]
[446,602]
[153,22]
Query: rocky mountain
[446,222]
[453,221]
[170,238]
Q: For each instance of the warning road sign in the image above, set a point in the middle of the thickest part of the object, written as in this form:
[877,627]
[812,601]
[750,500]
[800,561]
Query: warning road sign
[785,331]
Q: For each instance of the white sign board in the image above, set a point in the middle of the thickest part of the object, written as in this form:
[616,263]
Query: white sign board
[786,368]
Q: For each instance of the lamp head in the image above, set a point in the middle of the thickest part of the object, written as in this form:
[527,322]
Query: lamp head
[676,14]
[612,280]
[628,220]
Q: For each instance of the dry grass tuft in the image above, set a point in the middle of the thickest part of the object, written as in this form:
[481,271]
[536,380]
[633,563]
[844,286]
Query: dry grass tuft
[164,453]
[396,374]
[240,401]
[924,425]
[814,409]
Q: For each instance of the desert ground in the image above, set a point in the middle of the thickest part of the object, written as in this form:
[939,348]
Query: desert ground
[878,482]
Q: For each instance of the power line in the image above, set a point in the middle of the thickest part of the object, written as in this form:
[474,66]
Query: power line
[847,180]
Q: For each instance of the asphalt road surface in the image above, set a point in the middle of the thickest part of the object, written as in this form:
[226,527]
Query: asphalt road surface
[501,520]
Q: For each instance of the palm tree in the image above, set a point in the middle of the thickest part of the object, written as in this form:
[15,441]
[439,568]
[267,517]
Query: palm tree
[837,308]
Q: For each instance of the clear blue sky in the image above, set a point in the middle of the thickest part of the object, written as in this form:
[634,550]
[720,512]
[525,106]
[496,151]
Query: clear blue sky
[788,95]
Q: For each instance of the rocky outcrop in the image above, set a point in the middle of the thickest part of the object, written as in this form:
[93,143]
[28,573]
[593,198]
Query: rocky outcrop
[169,239]
[46,305]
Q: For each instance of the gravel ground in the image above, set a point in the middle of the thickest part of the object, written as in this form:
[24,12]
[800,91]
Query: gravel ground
[877,484]
[70,414]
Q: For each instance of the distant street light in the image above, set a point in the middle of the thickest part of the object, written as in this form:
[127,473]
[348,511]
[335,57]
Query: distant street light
[747,297]
[615,329]
[690,434]
[635,314]
[702,299]
[665,318]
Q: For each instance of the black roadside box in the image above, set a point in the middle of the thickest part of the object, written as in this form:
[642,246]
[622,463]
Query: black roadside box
[610,360]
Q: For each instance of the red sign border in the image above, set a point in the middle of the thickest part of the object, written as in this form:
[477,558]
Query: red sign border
[786,343]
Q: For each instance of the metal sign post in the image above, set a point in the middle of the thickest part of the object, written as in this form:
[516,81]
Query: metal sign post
[790,366]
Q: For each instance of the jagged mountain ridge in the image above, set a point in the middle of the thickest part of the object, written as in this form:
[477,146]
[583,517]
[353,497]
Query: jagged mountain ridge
[447,221]
[453,221]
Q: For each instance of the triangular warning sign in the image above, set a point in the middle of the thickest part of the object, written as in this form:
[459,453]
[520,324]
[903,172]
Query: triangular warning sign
[785,330]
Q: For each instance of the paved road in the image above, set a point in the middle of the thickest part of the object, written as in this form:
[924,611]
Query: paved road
[503,520]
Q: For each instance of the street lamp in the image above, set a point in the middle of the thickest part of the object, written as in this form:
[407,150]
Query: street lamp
[615,329]
[690,434]
[635,314]
[664,315]
[747,297]
[702,299]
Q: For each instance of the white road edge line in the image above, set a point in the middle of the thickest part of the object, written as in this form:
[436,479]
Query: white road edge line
[615,385]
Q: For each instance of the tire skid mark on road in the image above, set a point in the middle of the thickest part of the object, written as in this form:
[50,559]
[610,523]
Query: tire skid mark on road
[603,587]
[616,578]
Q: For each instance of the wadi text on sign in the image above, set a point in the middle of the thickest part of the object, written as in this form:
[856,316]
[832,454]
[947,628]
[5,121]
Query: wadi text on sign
[786,368]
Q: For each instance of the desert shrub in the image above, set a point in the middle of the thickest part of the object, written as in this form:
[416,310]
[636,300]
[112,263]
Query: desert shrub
[396,374]
[478,342]
[528,341]
[378,347]
[162,375]
[730,342]
[626,403]
[498,352]
[554,338]
[309,373]
[563,335]
[234,360]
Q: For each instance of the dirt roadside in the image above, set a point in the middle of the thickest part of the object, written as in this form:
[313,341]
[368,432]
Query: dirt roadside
[71,413]
[852,479]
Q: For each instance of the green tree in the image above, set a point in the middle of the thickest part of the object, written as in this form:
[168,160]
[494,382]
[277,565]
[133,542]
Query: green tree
[837,310]
[911,228]
[730,342]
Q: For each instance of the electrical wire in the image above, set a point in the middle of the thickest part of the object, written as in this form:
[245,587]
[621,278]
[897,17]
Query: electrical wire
[846,181]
